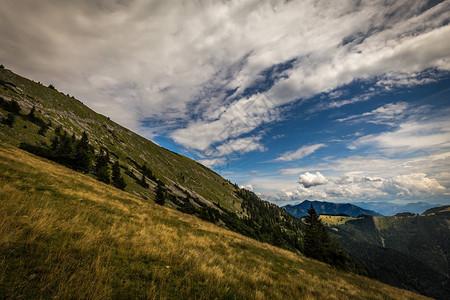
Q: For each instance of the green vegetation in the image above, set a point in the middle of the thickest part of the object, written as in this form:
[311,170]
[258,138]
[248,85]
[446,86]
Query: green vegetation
[335,220]
[117,179]
[160,195]
[409,251]
[65,235]
[317,242]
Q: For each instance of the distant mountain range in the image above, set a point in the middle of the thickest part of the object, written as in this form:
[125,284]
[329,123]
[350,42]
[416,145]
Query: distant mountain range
[328,208]
[390,209]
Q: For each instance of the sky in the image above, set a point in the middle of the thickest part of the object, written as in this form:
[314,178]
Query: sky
[343,101]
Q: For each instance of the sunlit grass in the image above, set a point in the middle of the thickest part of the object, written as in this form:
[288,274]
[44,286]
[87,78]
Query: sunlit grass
[335,220]
[65,235]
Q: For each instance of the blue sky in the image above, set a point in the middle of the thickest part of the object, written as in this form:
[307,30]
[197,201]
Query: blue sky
[341,101]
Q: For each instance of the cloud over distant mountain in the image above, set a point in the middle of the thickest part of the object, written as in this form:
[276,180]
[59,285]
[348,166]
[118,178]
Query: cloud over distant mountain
[309,180]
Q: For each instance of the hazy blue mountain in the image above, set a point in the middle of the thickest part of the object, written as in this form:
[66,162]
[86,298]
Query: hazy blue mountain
[390,209]
[328,208]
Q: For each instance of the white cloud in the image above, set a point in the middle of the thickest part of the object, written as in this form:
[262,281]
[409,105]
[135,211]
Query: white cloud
[300,153]
[309,180]
[387,114]
[172,63]
[379,166]
[239,118]
[413,185]
[410,136]
[346,179]
[247,187]
[409,187]
[213,162]
[238,146]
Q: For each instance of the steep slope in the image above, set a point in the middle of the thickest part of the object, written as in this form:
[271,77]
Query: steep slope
[179,173]
[327,208]
[407,250]
[65,235]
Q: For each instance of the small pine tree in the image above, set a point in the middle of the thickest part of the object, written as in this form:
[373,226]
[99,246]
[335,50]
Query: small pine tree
[117,179]
[160,195]
[51,86]
[83,154]
[32,114]
[2,67]
[102,168]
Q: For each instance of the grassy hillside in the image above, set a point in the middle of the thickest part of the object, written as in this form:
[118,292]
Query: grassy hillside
[335,220]
[179,173]
[66,235]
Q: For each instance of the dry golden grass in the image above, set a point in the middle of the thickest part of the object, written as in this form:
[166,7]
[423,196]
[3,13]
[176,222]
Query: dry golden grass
[65,235]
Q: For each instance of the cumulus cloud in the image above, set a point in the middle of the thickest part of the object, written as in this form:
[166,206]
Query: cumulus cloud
[247,187]
[412,185]
[187,70]
[309,180]
[300,153]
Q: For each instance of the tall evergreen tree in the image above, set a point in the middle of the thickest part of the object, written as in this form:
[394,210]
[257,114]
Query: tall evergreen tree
[102,168]
[316,236]
[83,154]
[117,179]
[160,194]
[318,244]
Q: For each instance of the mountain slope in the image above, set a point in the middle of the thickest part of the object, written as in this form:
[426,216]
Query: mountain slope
[179,173]
[409,251]
[65,235]
[327,208]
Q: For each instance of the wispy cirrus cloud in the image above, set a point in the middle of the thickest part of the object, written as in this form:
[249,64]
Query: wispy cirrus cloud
[300,153]
[387,114]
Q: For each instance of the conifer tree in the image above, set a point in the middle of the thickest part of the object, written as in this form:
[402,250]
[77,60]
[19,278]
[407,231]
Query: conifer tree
[83,154]
[117,179]
[102,168]
[160,195]
[32,114]
[318,244]
[316,236]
